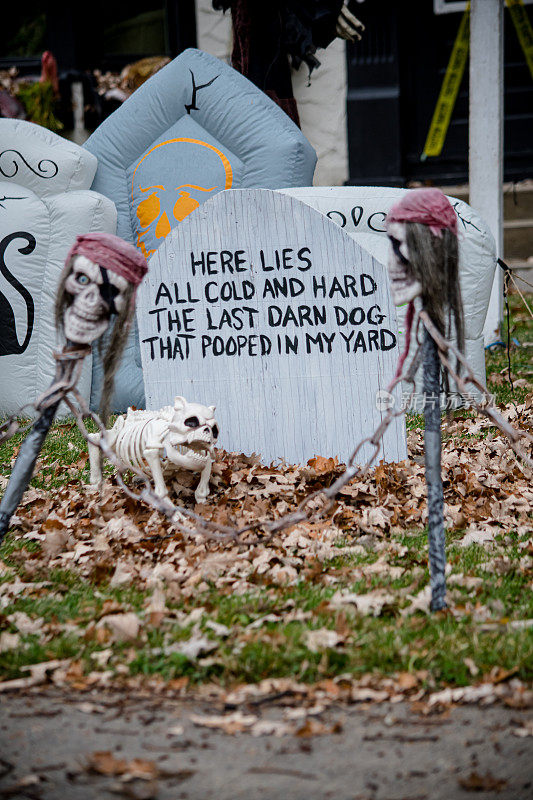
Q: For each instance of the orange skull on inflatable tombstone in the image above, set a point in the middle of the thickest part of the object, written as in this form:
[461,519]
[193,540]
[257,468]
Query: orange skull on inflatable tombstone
[169,182]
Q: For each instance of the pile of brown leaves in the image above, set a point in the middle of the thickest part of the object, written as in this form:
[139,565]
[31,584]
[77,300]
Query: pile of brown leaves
[487,491]
[106,536]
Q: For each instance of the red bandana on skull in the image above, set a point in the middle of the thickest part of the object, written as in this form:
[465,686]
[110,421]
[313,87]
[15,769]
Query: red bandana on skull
[111,253]
[429,207]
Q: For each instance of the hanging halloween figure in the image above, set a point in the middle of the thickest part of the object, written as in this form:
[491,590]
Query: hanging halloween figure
[424,262]
[98,283]
[271,37]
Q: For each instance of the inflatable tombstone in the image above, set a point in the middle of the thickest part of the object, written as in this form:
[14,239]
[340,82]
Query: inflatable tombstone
[44,203]
[193,129]
[361,212]
[262,305]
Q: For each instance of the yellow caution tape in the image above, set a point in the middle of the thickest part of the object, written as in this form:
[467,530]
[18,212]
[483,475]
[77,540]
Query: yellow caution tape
[449,90]
[523,29]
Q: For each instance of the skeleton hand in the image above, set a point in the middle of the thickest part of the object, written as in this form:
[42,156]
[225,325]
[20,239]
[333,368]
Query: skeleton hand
[347,25]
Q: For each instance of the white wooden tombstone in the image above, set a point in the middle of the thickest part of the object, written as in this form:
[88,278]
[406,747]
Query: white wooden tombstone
[260,305]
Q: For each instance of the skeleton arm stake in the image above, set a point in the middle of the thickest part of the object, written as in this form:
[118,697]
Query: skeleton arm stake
[432,452]
[423,262]
[69,363]
[88,294]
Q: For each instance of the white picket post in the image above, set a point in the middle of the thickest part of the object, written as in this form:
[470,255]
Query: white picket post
[486,135]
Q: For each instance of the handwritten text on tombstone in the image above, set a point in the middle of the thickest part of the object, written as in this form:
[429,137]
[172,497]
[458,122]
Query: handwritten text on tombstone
[259,290]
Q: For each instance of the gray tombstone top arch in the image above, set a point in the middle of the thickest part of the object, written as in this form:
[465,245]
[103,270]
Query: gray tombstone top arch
[260,305]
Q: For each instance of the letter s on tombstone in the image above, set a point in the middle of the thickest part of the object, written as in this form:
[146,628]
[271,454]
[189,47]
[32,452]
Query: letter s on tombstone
[304,259]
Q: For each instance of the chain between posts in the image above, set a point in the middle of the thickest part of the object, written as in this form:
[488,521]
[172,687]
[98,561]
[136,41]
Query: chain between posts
[272,527]
[179,515]
[486,408]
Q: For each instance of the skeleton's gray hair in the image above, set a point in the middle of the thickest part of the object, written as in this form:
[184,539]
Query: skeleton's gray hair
[434,262]
[113,354]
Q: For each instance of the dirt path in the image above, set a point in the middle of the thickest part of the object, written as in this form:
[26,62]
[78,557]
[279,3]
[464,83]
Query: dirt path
[382,752]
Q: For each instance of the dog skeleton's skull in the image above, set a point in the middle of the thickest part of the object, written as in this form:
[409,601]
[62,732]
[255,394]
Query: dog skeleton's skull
[96,294]
[404,285]
[192,435]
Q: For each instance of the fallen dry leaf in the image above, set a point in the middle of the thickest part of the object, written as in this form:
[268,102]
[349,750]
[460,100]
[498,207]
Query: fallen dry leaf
[371,603]
[141,768]
[323,465]
[123,627]
[39,673]
[103,762]
[478,536]
[463,694]
[270,727]
[176,730]
[406,680]
[124,573]
[229,723]
[524,730]
[193,647]
[419,602]
[313,727]
[321,639]
[9,641]
[482,783]
[364,694]
[24,623]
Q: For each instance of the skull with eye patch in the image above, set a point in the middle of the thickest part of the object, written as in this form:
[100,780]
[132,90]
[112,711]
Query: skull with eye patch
[96,294]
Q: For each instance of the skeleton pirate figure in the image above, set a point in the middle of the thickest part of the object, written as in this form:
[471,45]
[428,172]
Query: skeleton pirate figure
[98,283]
[422,228]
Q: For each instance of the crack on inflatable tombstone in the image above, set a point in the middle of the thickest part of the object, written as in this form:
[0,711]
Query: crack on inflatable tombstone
[464,221]
[195,89]
[40,171]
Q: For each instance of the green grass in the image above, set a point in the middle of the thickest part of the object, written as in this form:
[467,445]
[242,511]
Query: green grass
[521,329]
[496,363]
[62,458]
[443,648]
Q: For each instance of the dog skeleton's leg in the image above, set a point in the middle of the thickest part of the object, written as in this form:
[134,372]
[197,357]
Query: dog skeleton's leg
[202,490]
[153,456]
[95,459]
